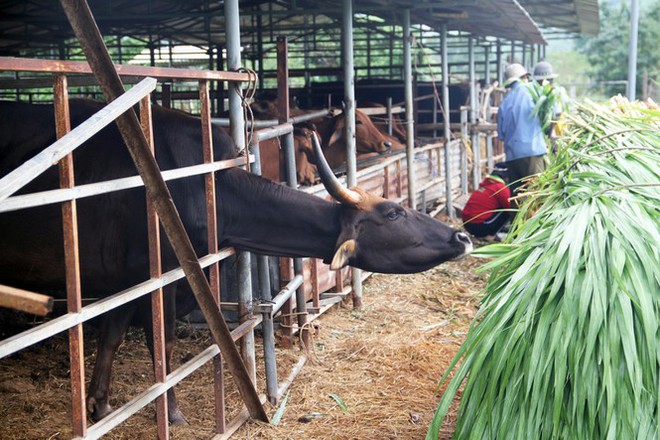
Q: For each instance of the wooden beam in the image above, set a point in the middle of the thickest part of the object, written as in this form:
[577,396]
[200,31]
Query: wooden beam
[90,39]
[25,301]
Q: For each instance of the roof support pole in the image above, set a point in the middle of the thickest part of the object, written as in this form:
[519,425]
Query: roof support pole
[408,91]
[270,360]
[632,49]
[446,122]
[487,63]
[90,38]
[349,114]
[260,51]
[308,78]
[476,148]
[237,132]
[284,113]
[500,64]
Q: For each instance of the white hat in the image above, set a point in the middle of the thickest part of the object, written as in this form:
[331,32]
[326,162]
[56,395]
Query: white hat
[514,72]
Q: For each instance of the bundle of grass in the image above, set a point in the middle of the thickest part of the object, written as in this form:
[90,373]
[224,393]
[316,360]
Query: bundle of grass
[549,101]
[567,341]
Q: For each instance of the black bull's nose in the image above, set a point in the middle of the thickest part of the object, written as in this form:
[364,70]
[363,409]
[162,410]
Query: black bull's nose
[462,238]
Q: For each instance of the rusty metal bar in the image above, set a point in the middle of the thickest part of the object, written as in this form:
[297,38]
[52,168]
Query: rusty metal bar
[166,95]
[90,39]
[386,182]
[82,67]
[71,261]
[399,179]
[143,399]
[339,280]
[29,302]
[316,290]
[24,339]
[212,237]
[155,271]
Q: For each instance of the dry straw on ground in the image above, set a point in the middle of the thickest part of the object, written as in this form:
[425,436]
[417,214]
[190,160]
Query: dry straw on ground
[381,362]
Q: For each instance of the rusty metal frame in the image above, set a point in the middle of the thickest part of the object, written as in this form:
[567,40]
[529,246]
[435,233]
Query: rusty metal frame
[82,67]
[78,315]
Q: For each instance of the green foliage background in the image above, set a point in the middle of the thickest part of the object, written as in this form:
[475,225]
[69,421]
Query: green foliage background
[607,54]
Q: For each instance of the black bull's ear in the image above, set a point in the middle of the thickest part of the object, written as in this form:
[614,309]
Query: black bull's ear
[343,254]
[347,240]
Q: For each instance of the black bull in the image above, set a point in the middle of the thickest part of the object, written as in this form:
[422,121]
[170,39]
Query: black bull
[254,214]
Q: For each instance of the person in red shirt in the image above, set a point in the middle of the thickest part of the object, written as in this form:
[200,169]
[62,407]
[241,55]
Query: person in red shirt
[483,215]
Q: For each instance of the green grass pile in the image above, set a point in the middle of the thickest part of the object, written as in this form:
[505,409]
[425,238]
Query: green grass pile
[550,100]
[566,344]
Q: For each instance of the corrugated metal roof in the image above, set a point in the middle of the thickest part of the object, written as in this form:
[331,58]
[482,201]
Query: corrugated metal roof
[579,16]
[42,24]
[498,18]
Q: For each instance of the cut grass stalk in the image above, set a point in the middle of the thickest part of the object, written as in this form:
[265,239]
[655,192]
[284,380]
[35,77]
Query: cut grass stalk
[566,344]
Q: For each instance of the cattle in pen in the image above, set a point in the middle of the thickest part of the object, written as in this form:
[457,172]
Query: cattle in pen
[254,214]
[369,141]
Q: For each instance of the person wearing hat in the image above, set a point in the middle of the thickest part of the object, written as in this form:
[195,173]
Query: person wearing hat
[543,73]
[484,213]
[520,129]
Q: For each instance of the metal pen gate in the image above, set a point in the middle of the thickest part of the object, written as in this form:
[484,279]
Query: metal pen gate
[67,196]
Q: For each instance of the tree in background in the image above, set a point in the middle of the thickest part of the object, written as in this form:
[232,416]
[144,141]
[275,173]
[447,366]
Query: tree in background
[608,52]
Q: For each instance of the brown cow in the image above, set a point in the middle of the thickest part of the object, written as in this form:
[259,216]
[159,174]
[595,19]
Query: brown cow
[368,138]
[370,141]
[273,162]
[398,130]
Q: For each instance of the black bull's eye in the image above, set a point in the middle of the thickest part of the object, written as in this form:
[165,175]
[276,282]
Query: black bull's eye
[392,215]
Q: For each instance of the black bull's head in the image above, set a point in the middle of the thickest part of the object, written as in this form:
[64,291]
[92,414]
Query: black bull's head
[379,235]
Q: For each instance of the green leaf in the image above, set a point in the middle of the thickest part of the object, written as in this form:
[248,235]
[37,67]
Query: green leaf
[277,417]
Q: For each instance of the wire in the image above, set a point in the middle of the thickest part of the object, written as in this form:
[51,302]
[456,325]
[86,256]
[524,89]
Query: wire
[435,88]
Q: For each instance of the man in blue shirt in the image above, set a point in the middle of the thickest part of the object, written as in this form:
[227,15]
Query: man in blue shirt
[520,129]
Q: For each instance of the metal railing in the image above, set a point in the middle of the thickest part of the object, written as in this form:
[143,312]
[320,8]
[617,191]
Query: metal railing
[69,194]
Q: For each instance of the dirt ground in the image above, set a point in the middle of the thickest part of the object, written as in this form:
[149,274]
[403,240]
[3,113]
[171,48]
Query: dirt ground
[372,372]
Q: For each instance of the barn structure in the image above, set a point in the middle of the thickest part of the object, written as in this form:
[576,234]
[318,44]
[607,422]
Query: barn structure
[434,64]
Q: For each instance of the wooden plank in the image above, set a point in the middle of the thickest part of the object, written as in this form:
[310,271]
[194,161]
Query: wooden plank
[82,67]
[30,302]
[93,189]
[31,169]
[369,111]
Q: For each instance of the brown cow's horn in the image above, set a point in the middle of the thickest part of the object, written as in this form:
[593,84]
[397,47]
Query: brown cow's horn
[330,181]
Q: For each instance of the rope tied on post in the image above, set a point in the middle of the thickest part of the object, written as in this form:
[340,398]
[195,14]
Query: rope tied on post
[246,99]
[436,94]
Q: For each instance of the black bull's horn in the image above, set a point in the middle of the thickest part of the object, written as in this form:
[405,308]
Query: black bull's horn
[330,181]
